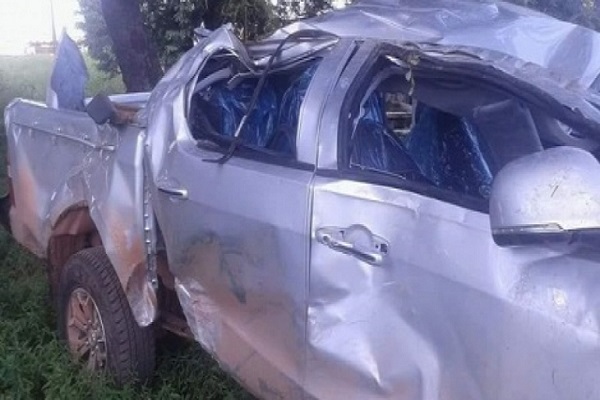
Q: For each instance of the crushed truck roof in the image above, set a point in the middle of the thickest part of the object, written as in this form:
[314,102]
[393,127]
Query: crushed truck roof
[569,50]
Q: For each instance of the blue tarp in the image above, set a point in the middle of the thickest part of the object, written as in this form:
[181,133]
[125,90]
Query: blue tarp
[273,123]
[231,104]
[289,112]
[447,151]
[443,147]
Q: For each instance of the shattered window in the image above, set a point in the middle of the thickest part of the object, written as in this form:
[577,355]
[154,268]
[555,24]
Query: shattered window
[397,135]
[444,130]
[217,108]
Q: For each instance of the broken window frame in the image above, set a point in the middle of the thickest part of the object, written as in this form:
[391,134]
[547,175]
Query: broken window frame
[449,64]
[367,80]
[230,146]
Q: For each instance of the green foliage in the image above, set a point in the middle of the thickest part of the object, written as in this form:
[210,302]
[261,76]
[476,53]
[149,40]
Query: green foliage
[101,81]
[23,76]
[251,18]
[98,42]
[290,10]
[171,24]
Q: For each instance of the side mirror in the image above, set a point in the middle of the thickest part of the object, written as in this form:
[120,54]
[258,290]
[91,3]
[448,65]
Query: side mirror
[552,196]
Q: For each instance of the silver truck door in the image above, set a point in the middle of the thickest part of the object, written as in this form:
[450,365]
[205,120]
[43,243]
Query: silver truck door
[410,298]
[237,241]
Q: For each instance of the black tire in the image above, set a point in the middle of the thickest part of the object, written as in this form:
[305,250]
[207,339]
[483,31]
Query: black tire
[129,349]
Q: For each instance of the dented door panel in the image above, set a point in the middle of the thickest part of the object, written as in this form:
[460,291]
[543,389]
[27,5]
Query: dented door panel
[236,240]
[448,314]
[240,267]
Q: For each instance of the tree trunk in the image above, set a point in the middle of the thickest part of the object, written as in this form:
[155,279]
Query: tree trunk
[213,14]
[136,54]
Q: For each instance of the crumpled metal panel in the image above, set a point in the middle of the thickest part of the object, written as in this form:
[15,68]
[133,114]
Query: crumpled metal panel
[60,161]
[238,254]
[564,48]
[423,325]
[448,314]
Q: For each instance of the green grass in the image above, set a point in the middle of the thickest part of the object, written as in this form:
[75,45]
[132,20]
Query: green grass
[34,364]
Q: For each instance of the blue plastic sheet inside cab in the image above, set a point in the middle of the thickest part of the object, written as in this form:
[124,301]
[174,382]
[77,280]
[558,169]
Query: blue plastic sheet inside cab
[273,123]
[448,153]
[443,147]
[375,147]
[289,113]
[374,108]
[229,105]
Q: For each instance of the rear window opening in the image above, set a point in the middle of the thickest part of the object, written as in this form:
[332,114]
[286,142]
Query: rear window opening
[223,95]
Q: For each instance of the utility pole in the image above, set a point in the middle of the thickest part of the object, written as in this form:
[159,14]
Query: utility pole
[54,41]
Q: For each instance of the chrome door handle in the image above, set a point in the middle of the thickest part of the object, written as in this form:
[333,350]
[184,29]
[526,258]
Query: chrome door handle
[181,194]
[350,249]
[107,147]
[356,241]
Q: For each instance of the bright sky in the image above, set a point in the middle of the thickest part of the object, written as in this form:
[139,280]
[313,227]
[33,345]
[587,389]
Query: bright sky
[23,21]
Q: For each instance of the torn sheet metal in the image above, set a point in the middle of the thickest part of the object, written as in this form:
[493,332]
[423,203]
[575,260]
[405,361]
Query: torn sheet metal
[566,49]
[60,161]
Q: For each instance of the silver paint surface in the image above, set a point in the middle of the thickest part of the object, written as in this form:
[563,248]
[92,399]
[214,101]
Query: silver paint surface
[564,48]
[444,314]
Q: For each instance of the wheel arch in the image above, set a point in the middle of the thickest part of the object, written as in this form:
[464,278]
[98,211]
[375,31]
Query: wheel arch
[78,228]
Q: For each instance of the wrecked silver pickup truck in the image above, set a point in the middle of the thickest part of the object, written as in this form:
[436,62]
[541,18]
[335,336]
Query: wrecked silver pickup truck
[390,201]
